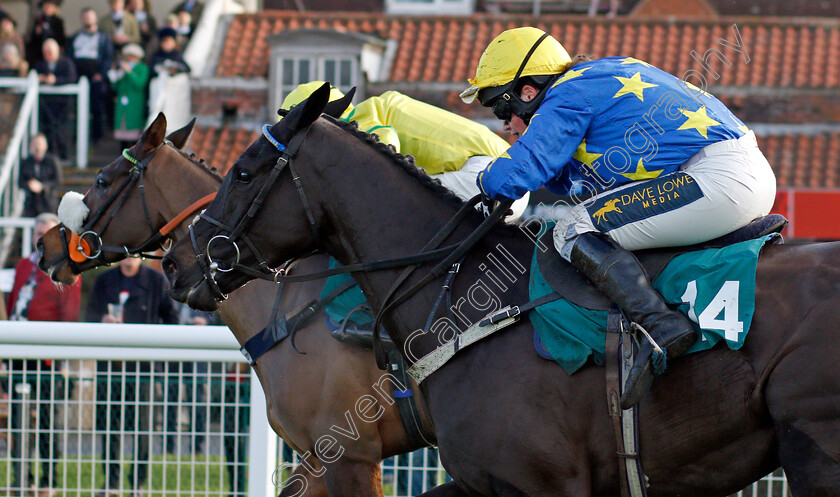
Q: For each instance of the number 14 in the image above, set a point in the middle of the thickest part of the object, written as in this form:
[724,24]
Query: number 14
[726,300]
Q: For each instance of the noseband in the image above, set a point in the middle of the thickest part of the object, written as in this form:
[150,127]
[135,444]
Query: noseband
[208,266]
[77,248]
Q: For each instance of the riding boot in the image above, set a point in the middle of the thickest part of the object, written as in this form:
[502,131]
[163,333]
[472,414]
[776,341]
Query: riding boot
[619,275]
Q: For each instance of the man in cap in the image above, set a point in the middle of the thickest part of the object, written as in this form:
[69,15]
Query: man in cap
[449,147]
[658,161]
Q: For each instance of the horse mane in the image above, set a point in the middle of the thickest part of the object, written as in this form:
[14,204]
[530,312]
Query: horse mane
[200,163]
[406,162]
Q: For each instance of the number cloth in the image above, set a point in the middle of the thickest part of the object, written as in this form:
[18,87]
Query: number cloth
[339,307]
[715,287]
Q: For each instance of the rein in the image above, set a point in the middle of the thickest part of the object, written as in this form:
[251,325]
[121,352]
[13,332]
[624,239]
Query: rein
[83,249]
[430,252]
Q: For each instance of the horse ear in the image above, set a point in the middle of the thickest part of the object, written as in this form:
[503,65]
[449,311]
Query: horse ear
[305,113]
[180,137]
[337,107]
[153,136]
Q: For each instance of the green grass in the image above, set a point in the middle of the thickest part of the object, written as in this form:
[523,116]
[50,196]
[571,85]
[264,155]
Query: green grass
[200,477]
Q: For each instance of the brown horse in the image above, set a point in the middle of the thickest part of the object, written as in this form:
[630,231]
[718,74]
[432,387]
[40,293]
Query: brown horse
[308,396]
[507,422]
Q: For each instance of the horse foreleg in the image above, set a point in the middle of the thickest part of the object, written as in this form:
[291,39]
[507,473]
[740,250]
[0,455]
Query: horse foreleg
[303,483]
[449,489]
[348,478]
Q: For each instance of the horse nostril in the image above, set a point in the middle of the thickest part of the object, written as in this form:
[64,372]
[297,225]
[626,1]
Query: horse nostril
[170,269]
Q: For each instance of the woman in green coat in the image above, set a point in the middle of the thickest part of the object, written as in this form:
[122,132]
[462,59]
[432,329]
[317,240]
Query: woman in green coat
[130,83]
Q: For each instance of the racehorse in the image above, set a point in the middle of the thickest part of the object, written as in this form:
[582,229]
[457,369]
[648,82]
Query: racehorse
[308,396]
[507,422]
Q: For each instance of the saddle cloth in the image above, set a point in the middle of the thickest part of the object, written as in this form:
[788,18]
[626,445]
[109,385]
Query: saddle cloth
[713,287]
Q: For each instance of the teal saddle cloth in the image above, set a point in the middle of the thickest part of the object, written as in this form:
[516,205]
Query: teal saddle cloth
[714,287]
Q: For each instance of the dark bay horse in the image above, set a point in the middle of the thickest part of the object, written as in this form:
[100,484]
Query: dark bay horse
[507,422]
[308,396]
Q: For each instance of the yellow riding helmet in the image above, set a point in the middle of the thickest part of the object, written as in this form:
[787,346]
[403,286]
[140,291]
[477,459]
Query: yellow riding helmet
[303,92]
[503,57]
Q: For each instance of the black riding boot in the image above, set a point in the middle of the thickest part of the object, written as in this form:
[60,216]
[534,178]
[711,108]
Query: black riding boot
[618,275]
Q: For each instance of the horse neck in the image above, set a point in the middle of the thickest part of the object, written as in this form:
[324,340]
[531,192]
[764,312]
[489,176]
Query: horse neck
[406,216]
[179,183]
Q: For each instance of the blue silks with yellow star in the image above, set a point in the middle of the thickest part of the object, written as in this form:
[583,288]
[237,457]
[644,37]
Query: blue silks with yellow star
[606,123]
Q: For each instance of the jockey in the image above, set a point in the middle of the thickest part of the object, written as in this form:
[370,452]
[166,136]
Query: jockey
[648,159]
[449,147]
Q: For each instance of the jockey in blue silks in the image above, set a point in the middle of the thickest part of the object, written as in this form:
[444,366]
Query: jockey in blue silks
[648,160]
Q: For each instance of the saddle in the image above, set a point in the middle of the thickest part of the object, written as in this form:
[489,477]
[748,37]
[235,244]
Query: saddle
[573,286]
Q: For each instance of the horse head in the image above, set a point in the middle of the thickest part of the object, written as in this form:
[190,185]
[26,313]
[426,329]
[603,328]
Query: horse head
[222,237]
[121,211]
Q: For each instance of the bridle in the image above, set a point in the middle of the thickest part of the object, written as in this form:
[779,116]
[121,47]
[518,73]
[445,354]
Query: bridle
[208,266]
[447,256]
[81,247]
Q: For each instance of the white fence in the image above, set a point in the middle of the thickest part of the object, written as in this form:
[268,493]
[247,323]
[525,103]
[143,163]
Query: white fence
[173,410]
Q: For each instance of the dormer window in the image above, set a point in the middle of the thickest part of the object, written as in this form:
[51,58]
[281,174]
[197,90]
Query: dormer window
[344,59]
[430,7]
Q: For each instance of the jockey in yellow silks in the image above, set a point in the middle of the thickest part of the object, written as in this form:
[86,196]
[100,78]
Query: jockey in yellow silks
[449,147]
[649,161]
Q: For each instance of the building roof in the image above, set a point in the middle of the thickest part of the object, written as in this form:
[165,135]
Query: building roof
[220,147]
[796,53]
[799,160]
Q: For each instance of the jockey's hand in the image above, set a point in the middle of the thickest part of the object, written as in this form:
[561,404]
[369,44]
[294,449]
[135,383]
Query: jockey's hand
[487,205]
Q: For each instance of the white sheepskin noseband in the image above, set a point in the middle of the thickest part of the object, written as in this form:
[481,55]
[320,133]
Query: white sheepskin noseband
[72,211]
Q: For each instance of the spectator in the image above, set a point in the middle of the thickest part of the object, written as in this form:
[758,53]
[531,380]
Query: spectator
[9,34]
[172,21]
[185,28]
[12,64]
[168,58]
[236,412]
[47,25]
[130,293]
[40,174]
[120,25]
[93,53]
[130,83]
[35,298]
[595,5]
[145,21]
[193,8]
[55,69]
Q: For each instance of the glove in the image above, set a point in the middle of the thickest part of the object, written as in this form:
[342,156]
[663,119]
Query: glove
[487,205]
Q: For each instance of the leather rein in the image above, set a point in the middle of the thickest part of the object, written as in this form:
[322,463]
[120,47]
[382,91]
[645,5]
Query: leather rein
[77,248]
[447,255]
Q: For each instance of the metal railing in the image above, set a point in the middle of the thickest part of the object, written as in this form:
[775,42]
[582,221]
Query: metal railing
[172,404]
[11,196]
[82,91]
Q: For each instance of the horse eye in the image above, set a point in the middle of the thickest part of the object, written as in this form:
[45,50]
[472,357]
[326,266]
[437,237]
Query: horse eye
[243,176]
[101,182]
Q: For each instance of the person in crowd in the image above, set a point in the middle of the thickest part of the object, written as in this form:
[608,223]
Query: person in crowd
[40,175]
[168,59]
[53,70]
[130,84]
[184,25]
[9,34]
[120,25]
[12,64]
[193,8]
[46,25]
[236,415]
[92,51]
[34,297]
[141,9]
[129,293]
[581,116]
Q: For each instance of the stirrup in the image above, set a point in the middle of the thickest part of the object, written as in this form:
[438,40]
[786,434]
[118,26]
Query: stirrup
[659,357]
